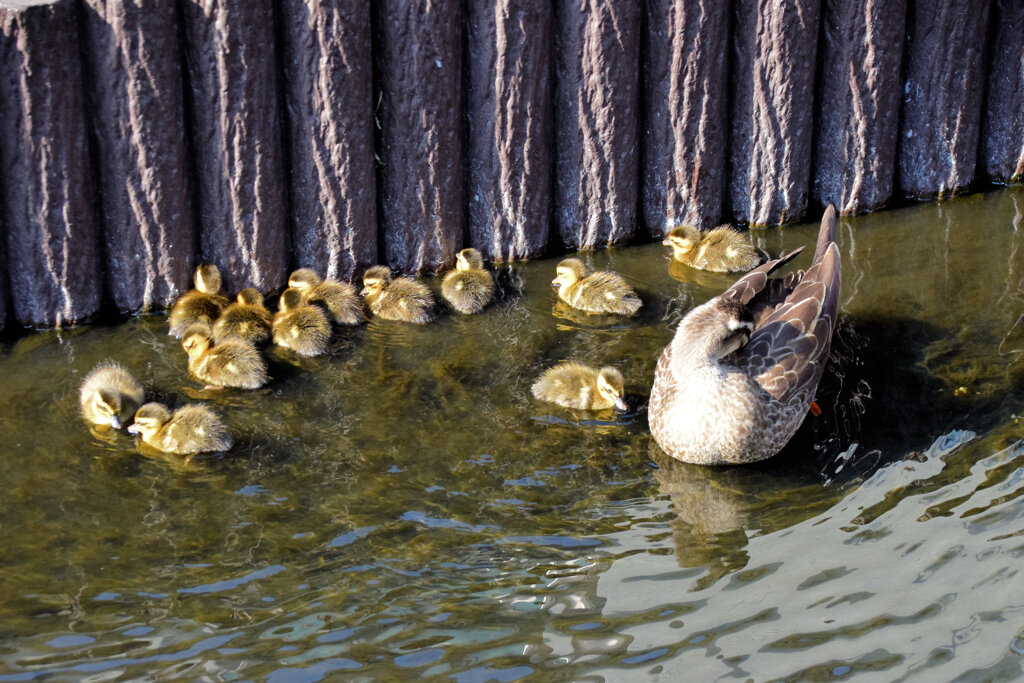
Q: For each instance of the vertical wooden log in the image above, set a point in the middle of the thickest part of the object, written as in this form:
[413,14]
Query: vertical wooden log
[328,74]
[135,104]
[774,47]
[418,56]
[240,186]
[684,132]
[1002,135]
[510,124]
[597,66]
[859,91]
[941,113]
[52,240]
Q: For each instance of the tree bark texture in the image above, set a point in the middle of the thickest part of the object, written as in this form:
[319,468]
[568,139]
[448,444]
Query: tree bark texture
[684,127]
[774,48]
[859,91]
[239,170]
[418,53]
[510,127]
[943,83]
[135,107]
[597,67]
[1002,136]
[328,76]
[53,262]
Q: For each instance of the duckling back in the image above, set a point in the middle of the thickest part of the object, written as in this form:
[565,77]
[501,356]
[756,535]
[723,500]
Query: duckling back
[602,292]
[468,291]
[304,329]
[340,301]
[723,250]
[232,363]
[193,307]
[247,319]
[405,300]
[109,395]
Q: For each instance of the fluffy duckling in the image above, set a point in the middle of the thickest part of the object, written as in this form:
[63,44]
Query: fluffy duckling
[720,250]
[232,363]
[246,319]
[401,299]
[109,395]
[338,299]
[202,304]
[468,288]
[191,429]
[300,327]
[580,386]
[599,292]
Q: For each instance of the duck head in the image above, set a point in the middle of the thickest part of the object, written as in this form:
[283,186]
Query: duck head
[569,272]
[682,239]
[207,278]
[196,340]
[714,329]
[149,419]
[375,280]
[610,386]
[304,279]
[291,299]
[250,296]
[469,259]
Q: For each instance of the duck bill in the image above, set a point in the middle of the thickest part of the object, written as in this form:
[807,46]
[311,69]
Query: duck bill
[555,284]
[364,291]
[134,429]
[667,242]
[620,404]
[115,422]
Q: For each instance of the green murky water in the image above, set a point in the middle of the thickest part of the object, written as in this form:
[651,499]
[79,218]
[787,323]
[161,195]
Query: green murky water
[403,508]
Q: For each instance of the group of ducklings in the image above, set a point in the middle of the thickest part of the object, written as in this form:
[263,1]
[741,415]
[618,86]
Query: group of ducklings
[221,338]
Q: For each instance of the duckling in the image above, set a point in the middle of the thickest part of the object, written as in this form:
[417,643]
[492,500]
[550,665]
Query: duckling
[720,250]
[192,429]
[338,299]
[468,288]
[109,395]
[576,385]
[599,292]
[246,319]
[232,363]
[202,304]
[401,299]
[300,327]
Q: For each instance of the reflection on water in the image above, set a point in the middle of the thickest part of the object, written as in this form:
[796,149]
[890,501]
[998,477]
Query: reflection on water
[402,507]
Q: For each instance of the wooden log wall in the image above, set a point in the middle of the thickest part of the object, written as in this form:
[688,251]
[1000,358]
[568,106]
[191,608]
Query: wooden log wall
[141,137]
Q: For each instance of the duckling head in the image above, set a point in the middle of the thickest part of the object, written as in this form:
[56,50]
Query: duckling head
[208,278]
[610,385]
[291,299]
[196,339]
[569,272]
[469,259]
[375,280]
[107,405]
[149,419]
[682,239]
[304,279]
[715,329]
[250,296]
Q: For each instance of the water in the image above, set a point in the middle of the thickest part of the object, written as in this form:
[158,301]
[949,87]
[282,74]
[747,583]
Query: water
[403,508]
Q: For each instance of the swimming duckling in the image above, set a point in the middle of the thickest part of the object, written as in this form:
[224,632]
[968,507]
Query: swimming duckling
[246,319]
[576,385]
[338,299]
[300,327]
[720,250]
[109,395]
[232,363]
[401,299]
[202,304]
[468,288]
[599,292]
[192,429]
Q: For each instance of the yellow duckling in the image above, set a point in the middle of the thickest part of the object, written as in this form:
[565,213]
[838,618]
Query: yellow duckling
[232,363]
[468,288]
[300,327]
[192,429]
[599,292]
[720,250]
[576,385]
[401,299]
[202,304]
[109,395]
[246,319]
[338,299]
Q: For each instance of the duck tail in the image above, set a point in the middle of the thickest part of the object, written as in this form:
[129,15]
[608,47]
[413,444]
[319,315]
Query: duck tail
[827,234]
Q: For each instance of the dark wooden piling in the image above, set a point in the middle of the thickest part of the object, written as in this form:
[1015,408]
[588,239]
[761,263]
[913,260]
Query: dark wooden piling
[236,140]
[774,48]
[1002,135]
[418,55]
[943,83]
[597,98]
[859,86]
[53,261]
[135,105]
[685,63]
[510,122]
[328,76]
